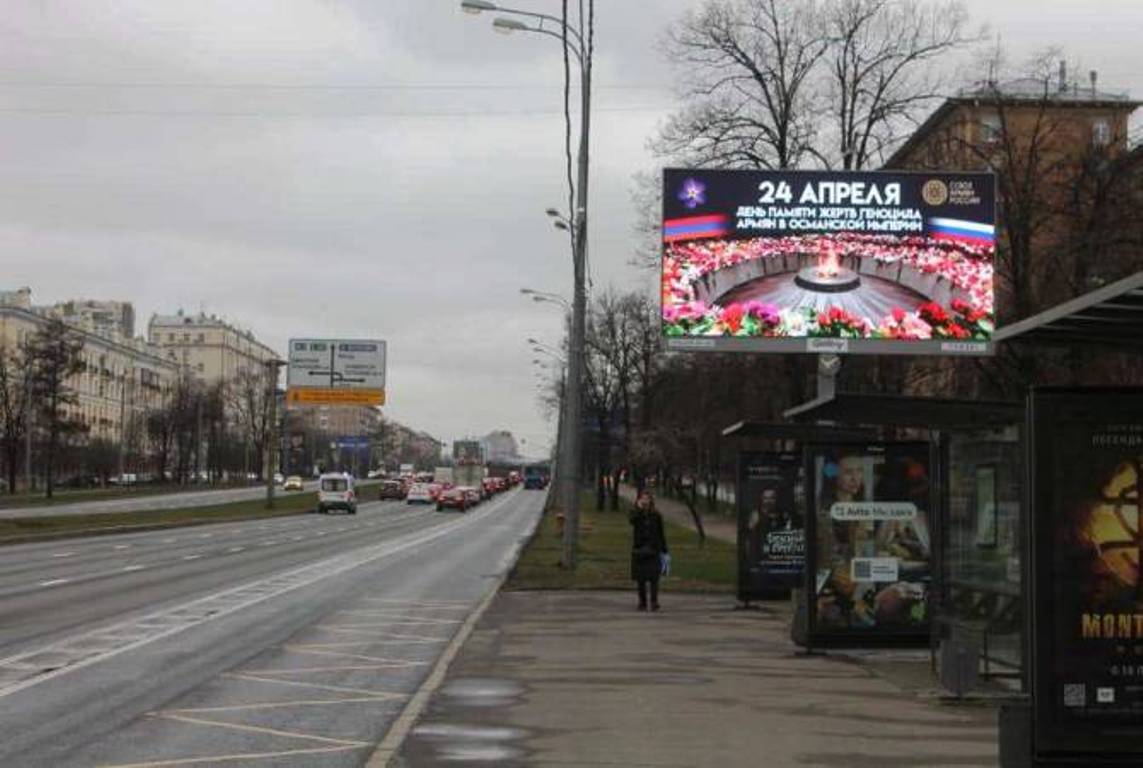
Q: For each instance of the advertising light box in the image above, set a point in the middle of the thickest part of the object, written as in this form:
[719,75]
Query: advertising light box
[1086,632]
[771,525]
[869,548]
[828,262]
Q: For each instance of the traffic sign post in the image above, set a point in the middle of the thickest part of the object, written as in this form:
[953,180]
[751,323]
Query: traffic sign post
[336,372]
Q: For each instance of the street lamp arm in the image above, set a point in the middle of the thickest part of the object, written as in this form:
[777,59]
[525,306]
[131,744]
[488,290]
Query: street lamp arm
[540,30]
[544,17]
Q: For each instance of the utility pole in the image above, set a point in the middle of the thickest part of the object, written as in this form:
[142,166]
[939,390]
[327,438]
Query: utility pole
[29,426]
[272,367]
[128,379]
[573,427]
[198,436]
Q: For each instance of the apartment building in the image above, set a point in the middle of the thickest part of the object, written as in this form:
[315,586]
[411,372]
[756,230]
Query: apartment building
[335,420]
[207,346]
[122,377]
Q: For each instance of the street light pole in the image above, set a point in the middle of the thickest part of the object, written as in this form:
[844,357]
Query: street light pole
[579,43]
[579,323]
[271,438]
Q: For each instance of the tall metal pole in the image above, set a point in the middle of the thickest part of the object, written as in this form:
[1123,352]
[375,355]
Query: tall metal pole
[29,425]
[578,330]
[271,430]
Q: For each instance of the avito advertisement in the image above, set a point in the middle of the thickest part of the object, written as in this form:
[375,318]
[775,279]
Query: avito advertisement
[869,540]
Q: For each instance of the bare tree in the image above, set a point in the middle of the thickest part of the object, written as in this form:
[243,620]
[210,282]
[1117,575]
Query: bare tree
[747,68]
[55,353]
[15,390]
[249,398]
[880,73]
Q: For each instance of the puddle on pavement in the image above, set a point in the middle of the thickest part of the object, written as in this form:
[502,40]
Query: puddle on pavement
[472,743]
[474,692]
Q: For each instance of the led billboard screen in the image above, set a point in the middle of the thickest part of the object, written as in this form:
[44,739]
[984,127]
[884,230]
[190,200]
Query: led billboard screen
[828,262]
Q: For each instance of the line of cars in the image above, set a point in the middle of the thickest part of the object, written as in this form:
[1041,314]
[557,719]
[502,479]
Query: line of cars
[446,495]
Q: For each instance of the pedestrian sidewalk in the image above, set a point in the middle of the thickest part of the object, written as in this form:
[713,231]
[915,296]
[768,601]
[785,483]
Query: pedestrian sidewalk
[582,679]
[715,526]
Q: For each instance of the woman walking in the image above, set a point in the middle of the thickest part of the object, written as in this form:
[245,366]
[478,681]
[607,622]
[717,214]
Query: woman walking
[648,549]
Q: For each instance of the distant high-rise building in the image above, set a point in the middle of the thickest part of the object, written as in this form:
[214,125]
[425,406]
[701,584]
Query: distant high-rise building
[500,446]
[106,318]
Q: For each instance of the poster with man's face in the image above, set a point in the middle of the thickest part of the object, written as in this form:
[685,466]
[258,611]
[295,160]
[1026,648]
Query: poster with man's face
[771,528]
[1088,594]
[872,556]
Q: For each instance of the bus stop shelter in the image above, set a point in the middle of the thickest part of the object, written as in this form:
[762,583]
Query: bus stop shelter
[975,517]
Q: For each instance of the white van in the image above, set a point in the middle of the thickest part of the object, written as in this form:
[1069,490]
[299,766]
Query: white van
[335,491]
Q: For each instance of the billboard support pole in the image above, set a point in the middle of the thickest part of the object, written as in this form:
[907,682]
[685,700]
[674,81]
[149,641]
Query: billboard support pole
[828,368]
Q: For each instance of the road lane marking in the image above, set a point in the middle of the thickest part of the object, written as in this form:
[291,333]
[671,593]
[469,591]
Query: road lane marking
[134,567]
[346,668]
[313,651]
[53,583]
[389,635]
[233,758]
[63,554]
[400,618]
[169,541]
[317,686]
[424,603]
[123,546]
[236,549]
[261,729]
[191,557]
[206,535]
[85,649]
[281,704]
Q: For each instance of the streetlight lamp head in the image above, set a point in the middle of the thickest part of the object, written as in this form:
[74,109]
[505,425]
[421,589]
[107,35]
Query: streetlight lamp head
[561,225]
[508,26]
[477,6]
[552,212]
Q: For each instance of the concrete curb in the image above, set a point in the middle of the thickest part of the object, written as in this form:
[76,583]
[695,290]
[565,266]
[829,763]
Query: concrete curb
[383,755]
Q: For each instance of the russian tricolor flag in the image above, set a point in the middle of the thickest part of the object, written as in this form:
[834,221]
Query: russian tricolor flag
[695,227]
[962,231]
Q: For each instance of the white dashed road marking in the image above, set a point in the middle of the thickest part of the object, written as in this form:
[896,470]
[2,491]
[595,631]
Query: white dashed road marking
[54,582]
[191,557]
[134,568]
[63,554]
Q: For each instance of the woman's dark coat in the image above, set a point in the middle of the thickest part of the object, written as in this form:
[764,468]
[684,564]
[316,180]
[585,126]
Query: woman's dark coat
[647,543]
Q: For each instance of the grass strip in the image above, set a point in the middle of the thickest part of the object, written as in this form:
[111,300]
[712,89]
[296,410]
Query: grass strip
[605,557]
[111,494]
[44,527]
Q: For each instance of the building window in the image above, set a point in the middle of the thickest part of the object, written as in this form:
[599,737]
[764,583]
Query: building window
[170,337]
[201,338]
[990,128]
[1100,132]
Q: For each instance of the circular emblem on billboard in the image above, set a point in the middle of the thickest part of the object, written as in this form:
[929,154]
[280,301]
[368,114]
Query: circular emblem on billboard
[935,192]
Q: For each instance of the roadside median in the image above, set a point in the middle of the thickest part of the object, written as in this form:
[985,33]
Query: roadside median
[47,527]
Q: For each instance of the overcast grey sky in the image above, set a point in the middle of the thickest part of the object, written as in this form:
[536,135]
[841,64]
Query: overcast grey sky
[369,169]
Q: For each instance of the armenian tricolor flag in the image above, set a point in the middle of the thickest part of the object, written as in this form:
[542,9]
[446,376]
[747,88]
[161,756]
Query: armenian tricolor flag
[962,231]
[696,227]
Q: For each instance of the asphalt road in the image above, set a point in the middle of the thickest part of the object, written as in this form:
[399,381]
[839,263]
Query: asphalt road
[288,642]
[145,503]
